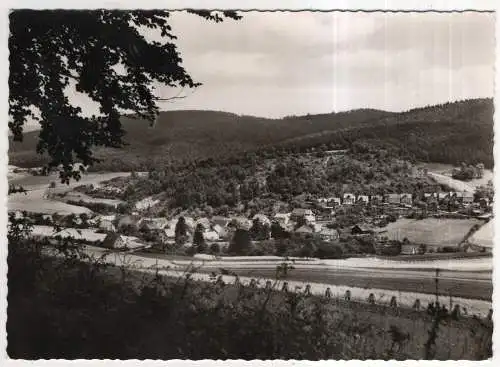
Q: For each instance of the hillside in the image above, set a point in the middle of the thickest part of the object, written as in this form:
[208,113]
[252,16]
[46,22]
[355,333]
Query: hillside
[464,128]
[448,133]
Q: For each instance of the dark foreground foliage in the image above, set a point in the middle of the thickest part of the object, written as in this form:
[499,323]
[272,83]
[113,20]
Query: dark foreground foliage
[65,308]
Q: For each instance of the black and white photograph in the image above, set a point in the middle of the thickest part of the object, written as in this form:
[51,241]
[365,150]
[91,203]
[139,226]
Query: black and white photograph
[232,184]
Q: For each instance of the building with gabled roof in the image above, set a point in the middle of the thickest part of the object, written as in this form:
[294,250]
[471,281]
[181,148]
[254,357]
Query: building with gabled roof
[363,199]
[304,230]
[348,199]
[264,219]
[394,199]
[329,234]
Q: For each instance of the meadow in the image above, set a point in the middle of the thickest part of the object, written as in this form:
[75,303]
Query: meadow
[484,236]
[436,232]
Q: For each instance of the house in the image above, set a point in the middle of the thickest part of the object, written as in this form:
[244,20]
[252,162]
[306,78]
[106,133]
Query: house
[118,241]
[190,223]
[329,202]
[380,234]
[361,229]
[467,198]
[222,232]
[146,203]
[376,199]
[316,227]
[47,218]
[128,221]
[282,218]
[394,199]
[153,224]
[329,234]
[221,221]
[443,195]
[484,202]
[348,199]
[107,222]
[241,223]
[409,249]
[167,235]
[263,219]
[406,199]
[428,195]
[300,213]
[336,201]
[304,230]
[322,201]
[211,236]
[205,222]
[362,199]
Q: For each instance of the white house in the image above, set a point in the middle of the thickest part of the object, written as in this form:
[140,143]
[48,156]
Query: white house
[241,223]
[262,218]
[406,199]
[205,222]
[282,218]
[348,199]
[117,241]
[306,214]
[211,236]
[363,199]
[222,232]
[329,234]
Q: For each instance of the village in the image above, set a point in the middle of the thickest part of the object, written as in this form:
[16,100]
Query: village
[338,220]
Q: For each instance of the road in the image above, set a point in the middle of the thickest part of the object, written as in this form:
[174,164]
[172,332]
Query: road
[34,201]
[468,288]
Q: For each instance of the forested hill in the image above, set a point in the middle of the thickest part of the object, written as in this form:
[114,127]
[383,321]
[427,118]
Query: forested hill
[449,133]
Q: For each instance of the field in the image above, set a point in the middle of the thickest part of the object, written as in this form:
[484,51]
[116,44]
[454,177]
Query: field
[77,196]
[484,236]
[431,231]
[34,200]
[35,203]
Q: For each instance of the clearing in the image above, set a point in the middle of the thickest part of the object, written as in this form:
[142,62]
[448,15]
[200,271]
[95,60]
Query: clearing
[436,232]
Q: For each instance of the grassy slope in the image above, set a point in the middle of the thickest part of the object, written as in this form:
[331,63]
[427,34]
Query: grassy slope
[118,314]
[465,128]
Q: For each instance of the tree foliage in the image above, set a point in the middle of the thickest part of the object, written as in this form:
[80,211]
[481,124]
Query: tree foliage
[50,49]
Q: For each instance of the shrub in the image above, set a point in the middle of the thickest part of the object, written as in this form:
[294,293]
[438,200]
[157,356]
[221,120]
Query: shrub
[449,249]
[328,251]
[214,248]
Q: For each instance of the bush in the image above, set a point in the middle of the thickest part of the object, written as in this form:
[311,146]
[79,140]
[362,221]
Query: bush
[214,249]
[449,249]
[328,251]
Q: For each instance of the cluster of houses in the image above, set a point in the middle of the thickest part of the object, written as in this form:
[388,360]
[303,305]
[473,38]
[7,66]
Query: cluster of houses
[459,198]
[216,228]
[463,197]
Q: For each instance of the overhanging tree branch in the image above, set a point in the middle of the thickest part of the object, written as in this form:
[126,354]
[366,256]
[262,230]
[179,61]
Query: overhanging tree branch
[47,48]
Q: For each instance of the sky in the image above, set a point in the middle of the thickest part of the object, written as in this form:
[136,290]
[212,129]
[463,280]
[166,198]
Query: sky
[278,63]
[275,64]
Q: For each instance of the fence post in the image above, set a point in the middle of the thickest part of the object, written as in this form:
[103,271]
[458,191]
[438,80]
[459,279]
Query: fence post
[436,279]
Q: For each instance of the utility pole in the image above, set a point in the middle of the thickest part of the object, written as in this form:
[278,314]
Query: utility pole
[436,279]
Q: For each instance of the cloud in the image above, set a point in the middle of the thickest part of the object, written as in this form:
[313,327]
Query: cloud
[282,63]
[450,39]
